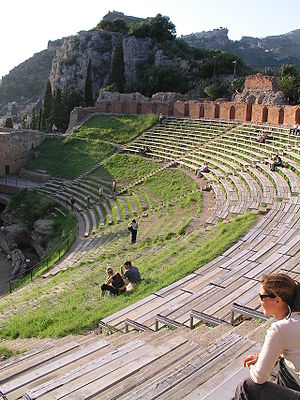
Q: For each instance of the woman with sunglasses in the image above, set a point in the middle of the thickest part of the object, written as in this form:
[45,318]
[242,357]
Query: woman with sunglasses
[280,298]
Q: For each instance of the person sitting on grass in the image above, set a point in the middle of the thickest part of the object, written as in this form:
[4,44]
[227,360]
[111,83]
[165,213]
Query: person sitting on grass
[114,283]
[131,275]
[280,298]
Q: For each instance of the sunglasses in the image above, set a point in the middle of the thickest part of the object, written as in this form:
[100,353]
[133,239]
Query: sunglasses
[264,296]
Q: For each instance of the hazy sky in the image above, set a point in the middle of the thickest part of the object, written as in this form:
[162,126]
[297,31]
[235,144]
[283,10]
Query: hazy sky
[26,26]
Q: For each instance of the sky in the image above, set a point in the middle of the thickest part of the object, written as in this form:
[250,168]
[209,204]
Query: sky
[27,26]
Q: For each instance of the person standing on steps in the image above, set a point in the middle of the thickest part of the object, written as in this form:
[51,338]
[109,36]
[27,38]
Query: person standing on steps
[100,191]
[72,201]
[160,118]
[133,227]
[114,187]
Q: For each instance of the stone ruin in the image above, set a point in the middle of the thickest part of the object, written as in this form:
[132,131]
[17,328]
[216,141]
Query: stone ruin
[260,89]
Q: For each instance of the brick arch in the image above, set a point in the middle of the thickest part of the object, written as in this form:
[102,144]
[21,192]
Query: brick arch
[217,111]
[154,108]
[281,116]
[139,108]
[201,111]
[264,114]
[108,108]
[297,116]
[232,112]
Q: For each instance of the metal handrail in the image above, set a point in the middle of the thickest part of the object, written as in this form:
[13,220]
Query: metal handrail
[58,250]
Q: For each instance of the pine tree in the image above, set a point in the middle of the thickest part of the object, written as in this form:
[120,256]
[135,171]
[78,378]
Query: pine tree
[47,108]
[88,87]
[40,120]
[59,110]
[34,120]
[117,67]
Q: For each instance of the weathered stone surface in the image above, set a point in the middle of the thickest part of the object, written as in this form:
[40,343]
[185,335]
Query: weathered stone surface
[135,51]
[17,235]
[42,229]
[260,89]
[33,176]
[19,266]
[17,147]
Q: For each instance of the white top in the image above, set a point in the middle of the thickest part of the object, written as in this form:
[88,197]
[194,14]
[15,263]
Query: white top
[283,338]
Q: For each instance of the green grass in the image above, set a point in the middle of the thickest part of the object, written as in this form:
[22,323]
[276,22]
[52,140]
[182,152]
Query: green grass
[78,307]
[168,185]
[125,169]
[6,353]
[115,128]
[69,157]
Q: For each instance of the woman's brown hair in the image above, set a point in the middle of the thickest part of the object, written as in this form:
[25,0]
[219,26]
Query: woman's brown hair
[283,286]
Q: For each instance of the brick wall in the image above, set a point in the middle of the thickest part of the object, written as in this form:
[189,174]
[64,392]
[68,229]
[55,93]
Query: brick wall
[180,109]
[261,82]
[243,112]
[17,148]
[291,115]
[209,110]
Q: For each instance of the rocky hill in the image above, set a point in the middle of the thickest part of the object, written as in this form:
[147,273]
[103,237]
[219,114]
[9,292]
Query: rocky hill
[70,62]
[27,81]
[65,61]
[259,53]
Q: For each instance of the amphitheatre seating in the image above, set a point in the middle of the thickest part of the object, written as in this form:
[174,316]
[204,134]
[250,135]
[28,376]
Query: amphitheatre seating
[233,277]
[158,364]
[148,365]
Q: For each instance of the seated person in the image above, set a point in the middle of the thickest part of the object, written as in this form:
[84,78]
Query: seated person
[202,169]
[142,150]
[114,283]
[131,275]
[262,138]
[280,298]
[276,162]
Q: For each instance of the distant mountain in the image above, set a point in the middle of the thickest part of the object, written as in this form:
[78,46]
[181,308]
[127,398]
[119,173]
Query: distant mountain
[65,61]
[28,80]
[112,15]
[259,53]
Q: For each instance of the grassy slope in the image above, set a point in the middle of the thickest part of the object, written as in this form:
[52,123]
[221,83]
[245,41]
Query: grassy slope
[70,302]
[115,128]
[68,157]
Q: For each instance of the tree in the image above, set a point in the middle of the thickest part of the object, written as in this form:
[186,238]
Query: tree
[117,25]
[59,110]
[39,126]
[88,86]
[162,78]
[290,85]
[8,123]
[46,123]
[289,82]
[159,28]
[34,120]
[117,67]
[217,89]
